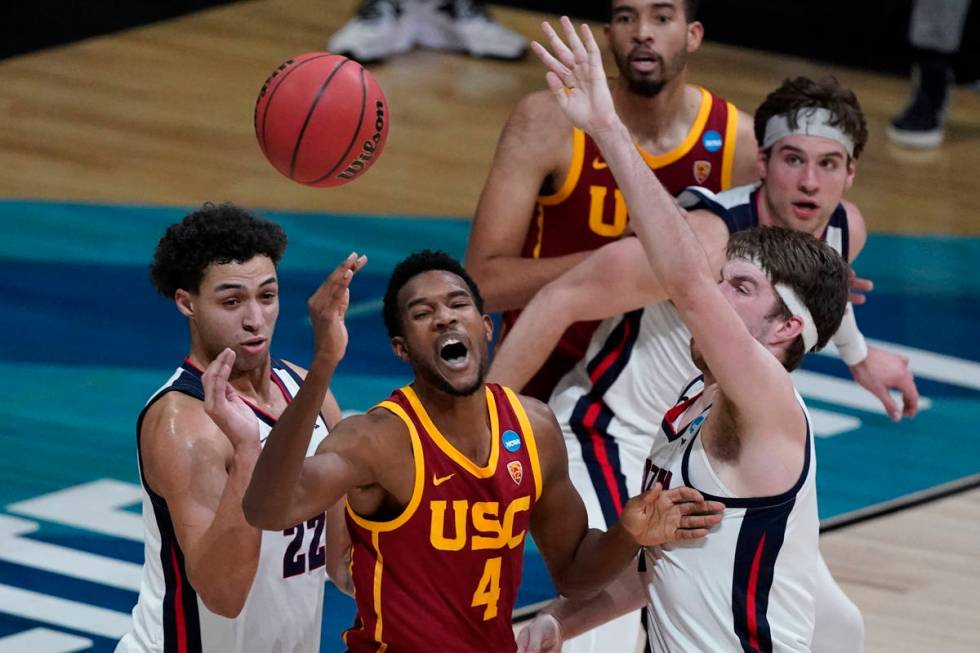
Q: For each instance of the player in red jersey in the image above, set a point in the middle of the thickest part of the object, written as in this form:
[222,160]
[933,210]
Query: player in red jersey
[550,199]
[444,479]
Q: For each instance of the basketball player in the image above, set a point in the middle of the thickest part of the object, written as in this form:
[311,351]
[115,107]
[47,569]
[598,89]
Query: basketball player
[613,400]
[210,581]
[443,479]
[550,198]
[739,432]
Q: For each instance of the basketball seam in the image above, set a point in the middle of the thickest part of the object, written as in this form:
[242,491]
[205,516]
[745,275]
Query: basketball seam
[309,116]
[357,130]
[268,103]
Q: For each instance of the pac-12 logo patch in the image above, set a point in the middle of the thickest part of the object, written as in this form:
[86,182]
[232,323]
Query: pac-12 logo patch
[516,471]
[711,141]
[512,441]
[701,170]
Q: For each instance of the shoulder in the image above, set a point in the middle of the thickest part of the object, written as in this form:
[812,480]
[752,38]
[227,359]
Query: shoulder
[177,434]
[376,430]
[538,118]
[542,420]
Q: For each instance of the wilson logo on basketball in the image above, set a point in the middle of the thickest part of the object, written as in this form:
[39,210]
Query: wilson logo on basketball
[369,147]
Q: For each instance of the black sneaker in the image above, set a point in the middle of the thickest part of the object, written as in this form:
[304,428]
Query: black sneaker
[920,124]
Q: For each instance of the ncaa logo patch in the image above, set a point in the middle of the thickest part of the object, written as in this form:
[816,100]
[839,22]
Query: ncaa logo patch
[701,170]
[711,141]
[516,471]
[512,441]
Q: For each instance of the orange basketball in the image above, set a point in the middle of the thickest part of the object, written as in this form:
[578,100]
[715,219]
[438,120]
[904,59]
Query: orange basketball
[321,119]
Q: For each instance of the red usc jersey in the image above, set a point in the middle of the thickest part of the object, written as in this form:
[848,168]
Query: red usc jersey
[443,575]
[588,210]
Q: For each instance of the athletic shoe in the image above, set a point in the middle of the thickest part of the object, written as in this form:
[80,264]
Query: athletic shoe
[920,124]
[378,30]
[465,26]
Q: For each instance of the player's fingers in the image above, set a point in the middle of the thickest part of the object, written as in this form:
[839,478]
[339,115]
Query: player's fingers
[556,68]
[557,88]
[887,402]
[690,534]
[591,47]
[522,641]
[857,298]
[574,41]
[701,507]
[558,50]
[684,494]
[910,396]
[699,521]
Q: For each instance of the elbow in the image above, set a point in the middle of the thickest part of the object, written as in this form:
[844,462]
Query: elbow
[262,518]
[228,607]
[224,597]
[577,592]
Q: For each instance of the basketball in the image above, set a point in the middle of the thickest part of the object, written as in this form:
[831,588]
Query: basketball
[321,119]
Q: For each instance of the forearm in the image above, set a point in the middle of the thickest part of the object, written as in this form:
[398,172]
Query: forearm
[849,342]
[674,253]
[275,483]
[623,595]
[599,558]
[222,563]
[509,282]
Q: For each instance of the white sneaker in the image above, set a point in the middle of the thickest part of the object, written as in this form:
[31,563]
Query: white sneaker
[464,26]
[378,30]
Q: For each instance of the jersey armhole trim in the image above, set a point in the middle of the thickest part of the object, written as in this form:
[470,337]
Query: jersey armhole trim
[574,172]
[413,503]
[731,136]
[532,445]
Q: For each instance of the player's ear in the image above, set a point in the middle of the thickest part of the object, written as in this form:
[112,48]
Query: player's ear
[761,163]
[789,330]
[488,327]
[695,33]
[185,302]
[851,171]
[398,349]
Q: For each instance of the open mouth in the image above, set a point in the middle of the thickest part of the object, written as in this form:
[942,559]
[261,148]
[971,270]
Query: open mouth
[253,345]
[454,353]
[644,61]
[805,207]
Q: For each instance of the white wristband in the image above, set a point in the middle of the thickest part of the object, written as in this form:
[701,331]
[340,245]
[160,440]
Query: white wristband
[849,341]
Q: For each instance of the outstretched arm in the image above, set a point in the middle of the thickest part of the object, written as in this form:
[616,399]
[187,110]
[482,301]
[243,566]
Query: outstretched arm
[744,369]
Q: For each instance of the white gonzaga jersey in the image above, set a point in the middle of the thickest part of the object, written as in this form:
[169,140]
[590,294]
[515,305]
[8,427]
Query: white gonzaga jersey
[284,608]
[748,585]
[611,403]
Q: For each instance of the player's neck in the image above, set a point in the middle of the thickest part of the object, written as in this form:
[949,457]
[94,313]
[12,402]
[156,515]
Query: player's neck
[652,120]
[457,417]
[255,385]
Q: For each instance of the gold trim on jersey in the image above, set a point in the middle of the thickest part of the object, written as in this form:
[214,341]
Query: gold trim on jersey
[378,568]
[390,525]
[728,157]
[536,252]
[532,445]
[661,160]
[447,448]
[574,172]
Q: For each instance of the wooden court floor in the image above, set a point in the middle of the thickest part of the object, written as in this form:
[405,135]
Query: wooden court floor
[162,115]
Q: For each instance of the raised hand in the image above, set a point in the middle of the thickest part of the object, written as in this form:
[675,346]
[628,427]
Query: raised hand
[328,306]
[659,517]
[223,405]
[577,78]
[882,371]
[541,635]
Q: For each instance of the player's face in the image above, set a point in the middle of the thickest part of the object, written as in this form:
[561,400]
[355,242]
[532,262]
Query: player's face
[650,41]
[237,306]
[748,289]
[805,179]
[444,337]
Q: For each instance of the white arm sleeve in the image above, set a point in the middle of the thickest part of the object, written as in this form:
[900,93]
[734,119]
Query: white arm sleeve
[849,341]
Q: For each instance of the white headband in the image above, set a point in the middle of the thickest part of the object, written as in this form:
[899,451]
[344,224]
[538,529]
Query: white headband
[795,305]
[810,121]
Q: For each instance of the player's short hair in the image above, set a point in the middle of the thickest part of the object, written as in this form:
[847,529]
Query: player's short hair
[815,272]
[690,9]
[215,233]
[805,93]
[412,266]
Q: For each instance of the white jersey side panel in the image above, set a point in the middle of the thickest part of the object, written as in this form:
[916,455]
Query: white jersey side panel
[284,607]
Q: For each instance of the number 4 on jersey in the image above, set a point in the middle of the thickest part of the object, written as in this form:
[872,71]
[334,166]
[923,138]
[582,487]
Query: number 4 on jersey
[488,589]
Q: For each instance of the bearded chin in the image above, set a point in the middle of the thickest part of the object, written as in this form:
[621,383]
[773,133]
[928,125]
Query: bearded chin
[647,88]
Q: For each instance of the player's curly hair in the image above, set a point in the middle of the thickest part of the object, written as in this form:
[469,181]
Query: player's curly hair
[412,266]
[809,266]
[215,233]
[805,93]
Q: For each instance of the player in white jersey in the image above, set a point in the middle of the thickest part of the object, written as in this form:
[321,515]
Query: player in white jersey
[782,293]
[612,403]
[210,581]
